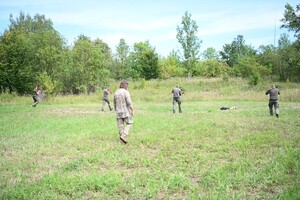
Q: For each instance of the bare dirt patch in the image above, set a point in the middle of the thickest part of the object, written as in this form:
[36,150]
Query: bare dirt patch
[73,111]
[293,107]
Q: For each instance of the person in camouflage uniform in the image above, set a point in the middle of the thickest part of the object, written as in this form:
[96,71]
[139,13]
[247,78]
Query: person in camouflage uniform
[106,92]
[176,98]
[273,92]
[124,110]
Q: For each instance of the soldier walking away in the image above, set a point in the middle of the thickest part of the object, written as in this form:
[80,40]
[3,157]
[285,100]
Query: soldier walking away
[176,99]
[124,110]
[273,92]
[106,92]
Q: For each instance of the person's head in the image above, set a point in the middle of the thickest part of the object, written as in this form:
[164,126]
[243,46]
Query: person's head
[124,84]
[272,86]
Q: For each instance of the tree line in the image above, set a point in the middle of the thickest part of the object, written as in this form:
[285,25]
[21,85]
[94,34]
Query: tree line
[33,53]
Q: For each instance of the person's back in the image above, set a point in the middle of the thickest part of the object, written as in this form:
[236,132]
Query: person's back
[122,103]
[124,110]
[176,92]
[273,92]
[176,99]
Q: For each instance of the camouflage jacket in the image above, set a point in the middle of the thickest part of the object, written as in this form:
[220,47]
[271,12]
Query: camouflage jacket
[122,103]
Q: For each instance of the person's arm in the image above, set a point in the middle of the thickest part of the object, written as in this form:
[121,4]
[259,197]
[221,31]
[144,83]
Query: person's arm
[132,111]
[267,92]
[115,105]
[129,103]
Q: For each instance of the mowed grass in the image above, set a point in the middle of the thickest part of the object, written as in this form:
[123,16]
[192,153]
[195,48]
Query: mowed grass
[61,150]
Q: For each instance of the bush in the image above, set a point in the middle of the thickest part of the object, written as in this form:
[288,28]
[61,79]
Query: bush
[254,79]
[211,68]
[8,96]
[247,67]
[140,84]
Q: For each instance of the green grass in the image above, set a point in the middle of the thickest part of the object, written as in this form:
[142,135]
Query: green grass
[65,148]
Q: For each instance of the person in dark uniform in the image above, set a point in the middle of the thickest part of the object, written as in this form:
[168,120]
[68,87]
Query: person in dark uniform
[273,93]
[176,98]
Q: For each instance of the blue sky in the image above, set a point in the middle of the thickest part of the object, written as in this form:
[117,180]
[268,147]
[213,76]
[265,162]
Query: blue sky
[219,21]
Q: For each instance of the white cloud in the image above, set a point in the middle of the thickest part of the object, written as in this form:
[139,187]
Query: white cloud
[238,23]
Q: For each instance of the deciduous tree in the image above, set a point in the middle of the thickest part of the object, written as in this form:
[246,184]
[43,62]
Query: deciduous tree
[171,66]
[237,49]
[210,54]
[187,37]
[89,62]
[144,61]
[291,19]
[30,47]
[121,63]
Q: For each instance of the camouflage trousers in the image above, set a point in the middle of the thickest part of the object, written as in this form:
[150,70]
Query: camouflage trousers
[124,125]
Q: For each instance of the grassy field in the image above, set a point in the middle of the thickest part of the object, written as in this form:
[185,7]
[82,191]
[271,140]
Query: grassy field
[66,148]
